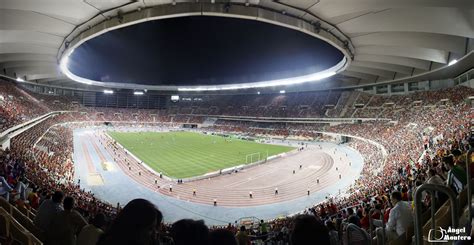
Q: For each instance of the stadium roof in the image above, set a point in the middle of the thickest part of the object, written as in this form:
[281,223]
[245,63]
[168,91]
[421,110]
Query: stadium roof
[211,51]
[384,41]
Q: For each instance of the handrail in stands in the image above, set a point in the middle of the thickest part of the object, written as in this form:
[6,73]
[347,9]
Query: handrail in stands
[433,210]
[469,185]
[418,208]
[383,225]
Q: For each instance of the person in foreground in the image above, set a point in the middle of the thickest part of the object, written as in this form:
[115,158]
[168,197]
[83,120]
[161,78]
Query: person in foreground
[136,224]
[65,225]
[307,230]
[400,218]
[48,209]
[222,237]
[90,233]
[188,231]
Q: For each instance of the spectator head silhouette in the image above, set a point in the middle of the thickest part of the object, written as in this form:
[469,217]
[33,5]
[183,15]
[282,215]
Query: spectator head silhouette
[58,196]
[222,237]
[68,203]
[99,220]
[188,231]
[308,230]
[136,224]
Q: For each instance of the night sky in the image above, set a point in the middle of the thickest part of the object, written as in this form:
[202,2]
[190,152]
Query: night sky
[201,51]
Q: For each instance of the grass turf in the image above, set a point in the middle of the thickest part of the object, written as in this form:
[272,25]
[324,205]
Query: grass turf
[187,154]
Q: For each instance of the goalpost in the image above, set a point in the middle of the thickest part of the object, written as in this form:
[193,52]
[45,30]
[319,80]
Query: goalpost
[249,158]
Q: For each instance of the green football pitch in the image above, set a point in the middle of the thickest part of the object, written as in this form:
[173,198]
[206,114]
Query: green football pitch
[187,154]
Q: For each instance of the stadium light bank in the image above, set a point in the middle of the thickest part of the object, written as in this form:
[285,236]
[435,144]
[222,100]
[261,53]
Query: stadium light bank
[63,65]
[271,83]
[279,82]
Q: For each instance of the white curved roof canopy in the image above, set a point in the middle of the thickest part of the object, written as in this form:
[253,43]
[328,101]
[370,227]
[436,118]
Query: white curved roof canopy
[390,40]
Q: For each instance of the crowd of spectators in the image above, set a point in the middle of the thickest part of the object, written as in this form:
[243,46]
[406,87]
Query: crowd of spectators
[303,104]
[17,106]
[264,129]
[48,166]
[441,129]
[43,175]
[315,104]
[373,157]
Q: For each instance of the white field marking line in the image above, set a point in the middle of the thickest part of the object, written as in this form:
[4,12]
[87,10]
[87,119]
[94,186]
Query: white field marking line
[300,180]
[273,169]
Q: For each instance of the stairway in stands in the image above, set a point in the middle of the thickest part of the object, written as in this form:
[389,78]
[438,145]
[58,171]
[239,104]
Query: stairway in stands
[349,103]
[209,122]
[336,111]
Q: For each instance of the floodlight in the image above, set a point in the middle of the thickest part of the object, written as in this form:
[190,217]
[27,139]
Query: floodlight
[174,98]
[452,62]
[279,82]
[108,91]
